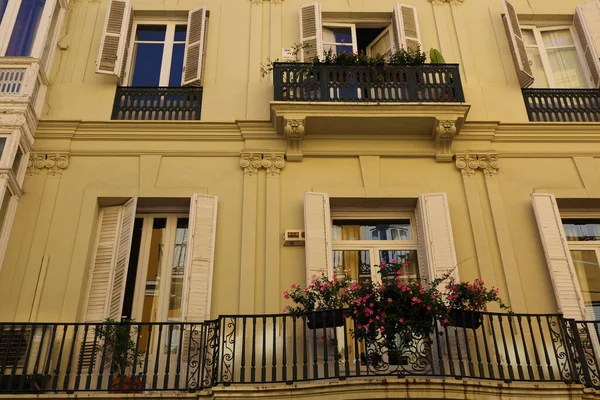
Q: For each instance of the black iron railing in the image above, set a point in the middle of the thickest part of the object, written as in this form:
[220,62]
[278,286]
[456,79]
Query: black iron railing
[279,348]
[562,105]
[420,83]
[157,103]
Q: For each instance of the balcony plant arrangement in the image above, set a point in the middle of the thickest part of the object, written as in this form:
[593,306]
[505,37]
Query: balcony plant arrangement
[322,301]
[115,343]
[466,300]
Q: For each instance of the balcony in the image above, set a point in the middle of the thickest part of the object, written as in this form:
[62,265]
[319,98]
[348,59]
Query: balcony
[422,100]
[269,349]
[157,103]
[562,105]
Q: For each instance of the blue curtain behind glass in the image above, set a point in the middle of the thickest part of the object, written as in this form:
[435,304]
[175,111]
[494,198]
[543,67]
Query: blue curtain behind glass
[26,26]
[3,4]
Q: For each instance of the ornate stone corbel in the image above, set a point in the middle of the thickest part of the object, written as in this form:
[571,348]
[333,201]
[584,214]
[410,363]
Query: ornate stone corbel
[251,162]
[53,162]
[444,133]
[273,163]
[293,131]
[468,163]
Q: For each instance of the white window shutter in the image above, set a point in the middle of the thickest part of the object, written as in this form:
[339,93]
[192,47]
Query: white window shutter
[558,258]
[200,257]
[517,45]
[121,262]
[435,236]
[195,47]
[112,53]
[587,25]
[405,25]
[311,31]
[318,234]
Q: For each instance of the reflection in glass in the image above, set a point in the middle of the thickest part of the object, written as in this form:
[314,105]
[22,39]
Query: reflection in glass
[372,230]
[588,275]
[407,258]
[581,230]
[177,275]
[358,262]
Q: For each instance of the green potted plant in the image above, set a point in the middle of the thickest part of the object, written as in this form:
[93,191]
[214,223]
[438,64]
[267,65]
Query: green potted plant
[115,343]
[466,300]
[322,301]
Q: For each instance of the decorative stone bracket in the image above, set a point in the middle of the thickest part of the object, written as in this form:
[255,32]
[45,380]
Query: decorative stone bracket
[293,131]
[443,135]
[468,163]
[252,162]
[53,162]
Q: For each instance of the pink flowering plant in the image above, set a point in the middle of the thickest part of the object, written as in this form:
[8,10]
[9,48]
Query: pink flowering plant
[467,296]
[396,310]
[321,294]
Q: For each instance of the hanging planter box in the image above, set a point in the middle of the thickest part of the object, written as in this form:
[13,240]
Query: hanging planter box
[465,319]
[325,319]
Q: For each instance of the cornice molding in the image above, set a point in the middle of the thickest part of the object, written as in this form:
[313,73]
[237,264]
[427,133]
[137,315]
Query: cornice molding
[251,162]
[53,162]
[469,163]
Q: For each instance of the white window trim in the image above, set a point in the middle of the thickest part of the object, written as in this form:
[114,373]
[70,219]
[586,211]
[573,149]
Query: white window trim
[537,32]
[327,46]
[167,58]
[387,30]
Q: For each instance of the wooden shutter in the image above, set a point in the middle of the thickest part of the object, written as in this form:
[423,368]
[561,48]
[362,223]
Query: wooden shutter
[318,231]
[195,47]
[122,259]
[111,55]
[517,45]
[435,236]
[587,25]
[405,25]
[558,258]
[200,257]
[311,31]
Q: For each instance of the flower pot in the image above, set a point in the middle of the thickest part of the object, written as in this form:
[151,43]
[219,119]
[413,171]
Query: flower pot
[465,319]
[325,319]
[128,384]
[395,358]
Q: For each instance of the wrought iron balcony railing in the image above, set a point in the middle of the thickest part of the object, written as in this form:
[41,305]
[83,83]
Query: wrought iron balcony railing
[562,105]
[421,83]
[278,348]
[157,103]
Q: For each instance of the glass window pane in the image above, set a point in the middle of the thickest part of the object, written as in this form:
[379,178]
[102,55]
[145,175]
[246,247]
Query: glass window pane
[566,68]
[408,258]
[540,81]
[528,37]
[151,33]
[25,29]
[372,230]
[51,33]
[2,144]
[180,31]
[177,269]
[3,4]
[581,230]
[337,35]
[4,207]
[176,64]
[17,163]
[357,262]
[148,60]
[561,37]
[588,275]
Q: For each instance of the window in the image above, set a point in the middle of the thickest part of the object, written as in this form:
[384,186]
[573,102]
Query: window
[555,57]
[359,246]
[152,53]
[25,28]
[583,237]
[158,52]
[380,36]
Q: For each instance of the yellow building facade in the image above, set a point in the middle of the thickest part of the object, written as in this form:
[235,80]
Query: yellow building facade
[168,203]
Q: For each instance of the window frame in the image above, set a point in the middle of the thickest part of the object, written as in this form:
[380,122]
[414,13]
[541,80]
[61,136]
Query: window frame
[7,26]
[167,57]
[387,30]
[374,246]
[352,26]
[537,33]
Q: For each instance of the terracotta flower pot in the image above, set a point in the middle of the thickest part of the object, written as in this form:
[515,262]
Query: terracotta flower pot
[128,384]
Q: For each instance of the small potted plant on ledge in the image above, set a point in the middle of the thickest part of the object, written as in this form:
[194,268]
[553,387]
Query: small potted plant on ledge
[322,301]
[466,300]
[120,351]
